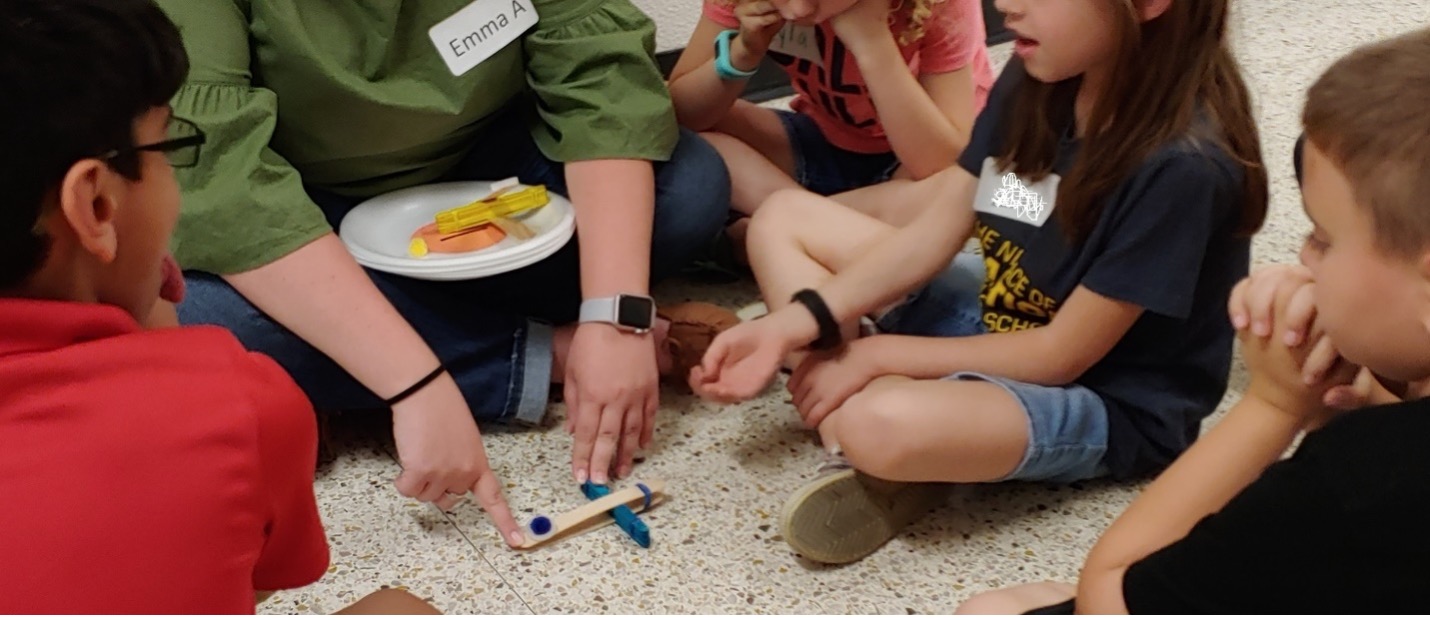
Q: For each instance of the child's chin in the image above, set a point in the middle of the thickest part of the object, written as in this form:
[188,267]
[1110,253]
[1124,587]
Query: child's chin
[1042,74]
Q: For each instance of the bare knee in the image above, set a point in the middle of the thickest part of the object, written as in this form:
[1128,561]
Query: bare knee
[779,215]
[868,430]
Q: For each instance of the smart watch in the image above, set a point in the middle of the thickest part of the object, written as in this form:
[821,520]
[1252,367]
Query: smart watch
[723,67]
[628,312]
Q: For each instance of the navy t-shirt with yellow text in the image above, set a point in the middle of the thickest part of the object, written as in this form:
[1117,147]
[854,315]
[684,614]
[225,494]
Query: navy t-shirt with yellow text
[1164,241]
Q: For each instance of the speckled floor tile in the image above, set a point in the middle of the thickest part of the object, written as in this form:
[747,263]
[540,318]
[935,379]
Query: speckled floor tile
[729,469]
[378,539]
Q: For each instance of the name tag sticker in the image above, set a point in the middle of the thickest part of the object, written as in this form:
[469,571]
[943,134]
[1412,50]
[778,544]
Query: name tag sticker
[475,33]
[1006,194]
[798,41]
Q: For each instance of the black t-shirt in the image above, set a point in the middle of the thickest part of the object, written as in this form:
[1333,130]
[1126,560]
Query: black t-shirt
[1164,241]
[1340,527]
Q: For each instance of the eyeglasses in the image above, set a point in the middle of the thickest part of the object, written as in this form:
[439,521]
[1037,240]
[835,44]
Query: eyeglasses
[182,147]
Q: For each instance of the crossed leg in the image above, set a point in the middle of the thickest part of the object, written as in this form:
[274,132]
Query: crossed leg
[896,428]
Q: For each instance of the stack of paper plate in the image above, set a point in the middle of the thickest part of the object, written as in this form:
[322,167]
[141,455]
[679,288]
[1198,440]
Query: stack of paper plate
[379,231]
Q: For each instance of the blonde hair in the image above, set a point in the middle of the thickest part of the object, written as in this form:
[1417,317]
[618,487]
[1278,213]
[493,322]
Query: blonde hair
[918,13]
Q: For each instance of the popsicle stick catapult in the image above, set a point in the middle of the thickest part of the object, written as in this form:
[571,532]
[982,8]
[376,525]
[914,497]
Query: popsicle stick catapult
[598,513]
[481,224]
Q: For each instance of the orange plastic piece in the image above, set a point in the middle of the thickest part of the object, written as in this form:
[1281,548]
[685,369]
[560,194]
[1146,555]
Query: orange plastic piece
[432,240]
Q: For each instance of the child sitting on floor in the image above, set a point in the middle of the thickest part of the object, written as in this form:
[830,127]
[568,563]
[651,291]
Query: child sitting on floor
[886,89]
[144,471]
[1089,341]
[1339,527]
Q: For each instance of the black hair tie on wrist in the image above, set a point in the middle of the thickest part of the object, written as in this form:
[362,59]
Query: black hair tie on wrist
[829,336]
[416,387]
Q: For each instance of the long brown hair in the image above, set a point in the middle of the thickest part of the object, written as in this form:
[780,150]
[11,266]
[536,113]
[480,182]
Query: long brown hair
[1168,71]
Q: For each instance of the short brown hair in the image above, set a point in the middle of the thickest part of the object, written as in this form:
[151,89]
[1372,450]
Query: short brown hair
[1370,114]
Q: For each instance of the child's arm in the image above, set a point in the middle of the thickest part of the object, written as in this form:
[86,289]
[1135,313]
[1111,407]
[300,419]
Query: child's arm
[1257,431]
[928,119]
[886,264]
[1083,332]
[1216,468]
[701,97]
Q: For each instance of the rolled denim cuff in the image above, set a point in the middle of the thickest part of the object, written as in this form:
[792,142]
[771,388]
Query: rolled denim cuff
[533,369]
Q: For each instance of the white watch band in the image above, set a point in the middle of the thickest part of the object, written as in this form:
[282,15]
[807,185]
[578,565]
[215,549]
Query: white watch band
[600,310]
[634,313]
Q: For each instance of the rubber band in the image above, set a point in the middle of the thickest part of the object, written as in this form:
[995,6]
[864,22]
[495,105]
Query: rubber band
[648,495]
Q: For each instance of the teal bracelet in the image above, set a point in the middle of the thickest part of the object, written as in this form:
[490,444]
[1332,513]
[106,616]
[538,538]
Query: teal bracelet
[723,68]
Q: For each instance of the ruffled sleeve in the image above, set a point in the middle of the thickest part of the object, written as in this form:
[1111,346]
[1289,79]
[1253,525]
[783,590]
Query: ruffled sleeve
[599,92]
[244,205]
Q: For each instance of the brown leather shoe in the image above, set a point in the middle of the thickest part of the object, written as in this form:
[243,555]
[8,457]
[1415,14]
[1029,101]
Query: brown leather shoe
[693,326]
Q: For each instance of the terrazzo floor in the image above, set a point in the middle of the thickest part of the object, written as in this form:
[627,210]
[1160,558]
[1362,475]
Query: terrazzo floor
[728,469]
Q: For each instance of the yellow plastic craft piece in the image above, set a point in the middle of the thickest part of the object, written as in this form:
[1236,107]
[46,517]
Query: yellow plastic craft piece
[487,209]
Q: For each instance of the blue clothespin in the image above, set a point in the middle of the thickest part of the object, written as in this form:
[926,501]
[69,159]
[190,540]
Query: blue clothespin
[626,518]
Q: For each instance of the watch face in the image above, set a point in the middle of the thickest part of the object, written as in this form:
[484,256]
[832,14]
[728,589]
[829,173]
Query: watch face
[635,312]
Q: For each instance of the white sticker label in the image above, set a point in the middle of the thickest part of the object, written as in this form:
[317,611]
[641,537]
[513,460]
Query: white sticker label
[475,33]
[1007,195]
[798,41]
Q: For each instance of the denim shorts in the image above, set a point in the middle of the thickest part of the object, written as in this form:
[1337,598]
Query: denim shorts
[825,169]
[1067,425]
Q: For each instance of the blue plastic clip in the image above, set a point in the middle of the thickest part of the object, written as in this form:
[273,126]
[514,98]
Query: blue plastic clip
[626,519]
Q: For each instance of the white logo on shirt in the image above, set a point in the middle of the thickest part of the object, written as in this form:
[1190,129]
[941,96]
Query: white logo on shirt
[1017,198]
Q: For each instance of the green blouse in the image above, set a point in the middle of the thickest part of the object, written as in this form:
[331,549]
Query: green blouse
[352,96]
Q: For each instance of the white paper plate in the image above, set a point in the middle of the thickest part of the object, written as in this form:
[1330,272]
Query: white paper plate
[379,231]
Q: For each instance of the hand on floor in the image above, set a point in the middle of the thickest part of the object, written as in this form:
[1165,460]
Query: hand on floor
[442,456]
[612,390]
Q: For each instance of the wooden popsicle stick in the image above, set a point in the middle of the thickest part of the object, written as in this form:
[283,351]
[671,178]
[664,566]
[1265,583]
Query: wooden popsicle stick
[518,230]
[579,519]
[606,519]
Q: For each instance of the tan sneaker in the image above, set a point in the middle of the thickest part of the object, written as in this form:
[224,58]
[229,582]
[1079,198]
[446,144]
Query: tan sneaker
[693,326]
[845,515]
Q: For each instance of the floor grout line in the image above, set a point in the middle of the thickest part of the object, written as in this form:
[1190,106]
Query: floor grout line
[452,521]
[500,575]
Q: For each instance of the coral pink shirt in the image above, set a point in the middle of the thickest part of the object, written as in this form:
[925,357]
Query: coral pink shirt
[835,94]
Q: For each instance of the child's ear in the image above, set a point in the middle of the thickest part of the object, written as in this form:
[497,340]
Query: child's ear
[1152,9]
[88,205]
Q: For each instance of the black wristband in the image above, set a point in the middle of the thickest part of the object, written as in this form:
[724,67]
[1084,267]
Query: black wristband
[421,383]
[829,335]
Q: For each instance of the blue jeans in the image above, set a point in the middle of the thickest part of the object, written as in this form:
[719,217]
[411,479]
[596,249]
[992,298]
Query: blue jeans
[494,334]
[1067,424]
[825,169]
